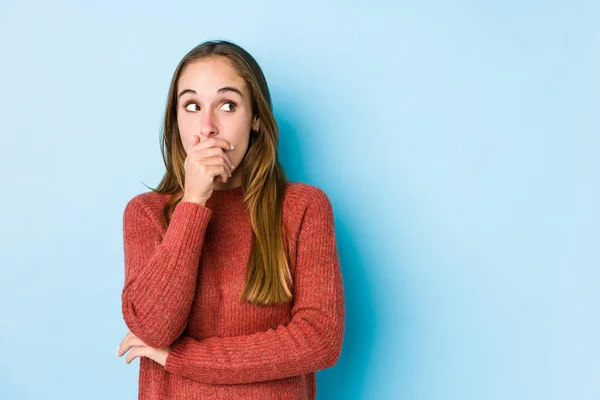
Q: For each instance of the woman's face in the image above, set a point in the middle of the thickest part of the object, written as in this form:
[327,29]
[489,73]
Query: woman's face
[209,104]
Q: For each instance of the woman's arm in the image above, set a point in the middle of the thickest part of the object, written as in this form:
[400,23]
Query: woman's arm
[311,341]
[160,279]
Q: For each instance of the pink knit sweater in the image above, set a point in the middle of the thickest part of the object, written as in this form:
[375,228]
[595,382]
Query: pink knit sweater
[182,286]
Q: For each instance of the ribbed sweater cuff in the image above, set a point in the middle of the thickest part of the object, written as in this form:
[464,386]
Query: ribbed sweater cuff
[187,217]
[176,362]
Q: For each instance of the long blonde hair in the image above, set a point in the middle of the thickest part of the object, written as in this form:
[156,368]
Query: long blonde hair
[268,279]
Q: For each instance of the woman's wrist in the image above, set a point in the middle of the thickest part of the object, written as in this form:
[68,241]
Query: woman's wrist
[197,201]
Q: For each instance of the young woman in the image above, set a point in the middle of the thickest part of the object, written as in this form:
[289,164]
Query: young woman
[233,287]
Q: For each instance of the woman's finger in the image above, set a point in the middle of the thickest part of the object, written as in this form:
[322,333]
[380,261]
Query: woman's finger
[133,342]
[220,162]
[138,351]
[128,343]
[209,153]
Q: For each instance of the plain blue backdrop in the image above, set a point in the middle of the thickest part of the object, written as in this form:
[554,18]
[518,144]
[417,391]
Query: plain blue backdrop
[457,140]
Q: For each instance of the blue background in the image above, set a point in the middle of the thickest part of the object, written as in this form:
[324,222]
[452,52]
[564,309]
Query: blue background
[457,140]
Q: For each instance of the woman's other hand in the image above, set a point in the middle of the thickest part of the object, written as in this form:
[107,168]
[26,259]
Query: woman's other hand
[140,349]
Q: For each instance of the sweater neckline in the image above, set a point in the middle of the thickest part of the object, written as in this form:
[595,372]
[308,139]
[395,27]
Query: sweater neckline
[227,200]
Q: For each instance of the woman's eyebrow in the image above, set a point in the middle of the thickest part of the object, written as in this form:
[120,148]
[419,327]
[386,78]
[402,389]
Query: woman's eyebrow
[221,90]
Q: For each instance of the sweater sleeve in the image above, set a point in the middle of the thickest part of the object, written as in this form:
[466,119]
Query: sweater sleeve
[160,278]
[311,341]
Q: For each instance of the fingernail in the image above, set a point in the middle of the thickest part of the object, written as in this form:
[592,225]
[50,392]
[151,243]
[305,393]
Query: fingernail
[232,147]
[117,350]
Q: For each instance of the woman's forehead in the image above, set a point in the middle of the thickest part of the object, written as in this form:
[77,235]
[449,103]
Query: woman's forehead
[210,75]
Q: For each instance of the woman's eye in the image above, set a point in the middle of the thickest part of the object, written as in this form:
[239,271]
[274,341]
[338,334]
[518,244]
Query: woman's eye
[191,104]
[232,106]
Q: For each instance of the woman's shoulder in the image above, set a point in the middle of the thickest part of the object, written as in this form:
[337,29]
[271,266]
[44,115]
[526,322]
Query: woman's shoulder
[299,196]
[307,207]
[149,203]
[304,189]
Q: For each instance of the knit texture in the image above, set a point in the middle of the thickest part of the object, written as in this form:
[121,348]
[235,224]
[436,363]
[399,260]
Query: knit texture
[182,287]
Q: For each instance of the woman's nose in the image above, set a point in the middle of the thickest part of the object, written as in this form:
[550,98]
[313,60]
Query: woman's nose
[208,126]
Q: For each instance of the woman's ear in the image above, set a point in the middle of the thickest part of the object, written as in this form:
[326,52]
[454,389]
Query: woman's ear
[255,123]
